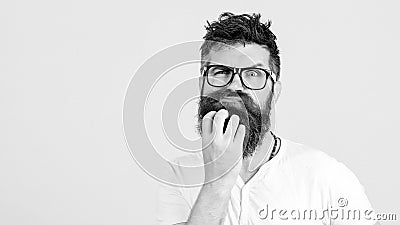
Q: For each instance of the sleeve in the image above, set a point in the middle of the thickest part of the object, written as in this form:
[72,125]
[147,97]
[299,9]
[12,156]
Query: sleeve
[172,206]
[347,198]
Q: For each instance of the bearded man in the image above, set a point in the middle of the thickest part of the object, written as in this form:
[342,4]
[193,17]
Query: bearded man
[252,176]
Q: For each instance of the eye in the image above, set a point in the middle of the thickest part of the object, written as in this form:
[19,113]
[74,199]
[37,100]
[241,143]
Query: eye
[253,73]
[224,72]
[220,71]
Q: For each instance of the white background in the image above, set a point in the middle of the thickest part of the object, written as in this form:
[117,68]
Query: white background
[65,67]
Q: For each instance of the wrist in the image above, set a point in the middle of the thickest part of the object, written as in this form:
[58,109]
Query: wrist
[221,187]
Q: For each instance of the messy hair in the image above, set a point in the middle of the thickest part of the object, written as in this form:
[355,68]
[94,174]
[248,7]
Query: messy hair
[231,29]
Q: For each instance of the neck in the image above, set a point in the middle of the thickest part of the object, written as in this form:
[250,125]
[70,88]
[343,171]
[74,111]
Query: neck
[262,153]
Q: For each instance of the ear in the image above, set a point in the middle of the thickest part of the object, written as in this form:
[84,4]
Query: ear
[277,91]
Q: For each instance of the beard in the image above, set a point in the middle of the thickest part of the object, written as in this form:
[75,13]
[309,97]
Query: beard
[256,120]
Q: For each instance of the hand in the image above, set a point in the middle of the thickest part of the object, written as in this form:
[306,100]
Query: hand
[222,151]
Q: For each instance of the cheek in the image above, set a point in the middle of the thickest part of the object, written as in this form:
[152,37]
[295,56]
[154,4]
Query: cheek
[207,89]
[260,98]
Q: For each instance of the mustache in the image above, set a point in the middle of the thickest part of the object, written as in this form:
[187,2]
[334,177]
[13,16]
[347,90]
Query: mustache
[227,93]
[240,104]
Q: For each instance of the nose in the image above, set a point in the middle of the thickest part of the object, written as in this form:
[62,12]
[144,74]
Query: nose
[236,83]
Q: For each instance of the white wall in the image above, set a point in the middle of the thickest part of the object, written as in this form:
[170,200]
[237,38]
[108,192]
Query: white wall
[65,66]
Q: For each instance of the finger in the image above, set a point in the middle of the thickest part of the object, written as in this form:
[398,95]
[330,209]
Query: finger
[232,127]
[219,120]
[240,134]
[207,122]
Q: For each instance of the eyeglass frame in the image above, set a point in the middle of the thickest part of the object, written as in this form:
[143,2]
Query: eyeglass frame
[239,71]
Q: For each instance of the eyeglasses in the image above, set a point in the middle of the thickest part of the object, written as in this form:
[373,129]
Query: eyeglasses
[253,78]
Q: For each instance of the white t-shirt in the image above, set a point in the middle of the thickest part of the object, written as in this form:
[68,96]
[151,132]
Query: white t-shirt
[300,185]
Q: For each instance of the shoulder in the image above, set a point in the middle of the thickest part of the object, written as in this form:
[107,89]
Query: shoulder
[314,162]
[317,167]
[307,156]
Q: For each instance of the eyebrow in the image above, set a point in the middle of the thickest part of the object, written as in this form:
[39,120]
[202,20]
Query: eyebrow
[258,64]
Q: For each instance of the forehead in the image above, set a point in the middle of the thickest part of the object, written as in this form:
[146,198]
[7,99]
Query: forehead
[239,55]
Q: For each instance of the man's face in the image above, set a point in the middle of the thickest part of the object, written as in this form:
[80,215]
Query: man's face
[252,106]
